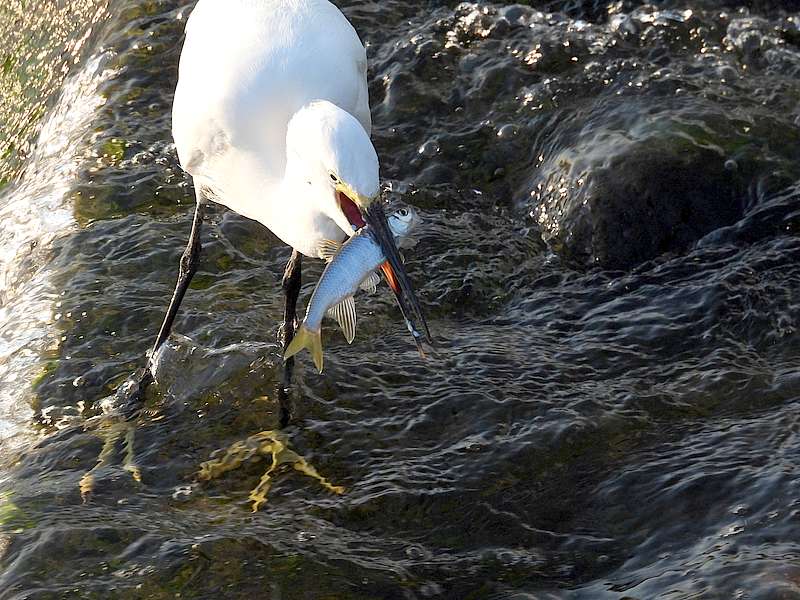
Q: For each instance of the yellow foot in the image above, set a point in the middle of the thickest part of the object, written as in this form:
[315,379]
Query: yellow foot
[111,432]
[272,443]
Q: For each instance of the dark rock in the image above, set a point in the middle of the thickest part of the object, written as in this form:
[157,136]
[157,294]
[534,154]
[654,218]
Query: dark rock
[615,202]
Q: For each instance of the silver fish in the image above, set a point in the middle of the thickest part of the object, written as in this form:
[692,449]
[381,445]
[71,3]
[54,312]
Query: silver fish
[351,265]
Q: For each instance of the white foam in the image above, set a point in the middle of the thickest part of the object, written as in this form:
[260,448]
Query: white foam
[33,212]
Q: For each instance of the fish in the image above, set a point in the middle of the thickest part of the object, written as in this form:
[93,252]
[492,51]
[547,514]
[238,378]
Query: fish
[351,265]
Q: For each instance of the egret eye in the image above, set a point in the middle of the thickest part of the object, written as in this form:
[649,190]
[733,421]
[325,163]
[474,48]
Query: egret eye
[334,178]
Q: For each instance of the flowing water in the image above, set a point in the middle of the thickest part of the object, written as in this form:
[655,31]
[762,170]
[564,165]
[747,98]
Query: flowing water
[609,259]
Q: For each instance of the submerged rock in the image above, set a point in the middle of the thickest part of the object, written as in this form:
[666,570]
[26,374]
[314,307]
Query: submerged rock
[617,202]
[616,197]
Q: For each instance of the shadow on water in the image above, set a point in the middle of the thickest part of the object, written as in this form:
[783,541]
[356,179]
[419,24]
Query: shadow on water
[610,203]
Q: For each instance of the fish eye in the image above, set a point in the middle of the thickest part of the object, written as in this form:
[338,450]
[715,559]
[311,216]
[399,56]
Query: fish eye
[403,212]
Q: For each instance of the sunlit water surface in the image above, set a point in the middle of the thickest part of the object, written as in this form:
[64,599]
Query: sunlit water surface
[609,259]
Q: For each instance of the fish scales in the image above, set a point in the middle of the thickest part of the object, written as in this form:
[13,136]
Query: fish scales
[359,257]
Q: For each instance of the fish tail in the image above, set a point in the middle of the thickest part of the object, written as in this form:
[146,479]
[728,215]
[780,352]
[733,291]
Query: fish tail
[305,338]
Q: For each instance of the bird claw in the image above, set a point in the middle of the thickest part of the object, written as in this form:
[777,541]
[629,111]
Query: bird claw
[111,431]
[267,443]
[118,423]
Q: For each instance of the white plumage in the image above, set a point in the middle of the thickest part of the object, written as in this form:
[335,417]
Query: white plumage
[252,71]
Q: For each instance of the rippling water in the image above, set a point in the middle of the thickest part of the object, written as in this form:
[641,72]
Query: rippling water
[609,260]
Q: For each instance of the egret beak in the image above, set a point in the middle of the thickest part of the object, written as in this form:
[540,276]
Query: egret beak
[396,275]
[393,269]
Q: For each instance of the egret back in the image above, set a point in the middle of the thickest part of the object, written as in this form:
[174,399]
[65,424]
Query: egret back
[247,66]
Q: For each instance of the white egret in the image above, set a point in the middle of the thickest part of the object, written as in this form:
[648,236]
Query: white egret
[271,118]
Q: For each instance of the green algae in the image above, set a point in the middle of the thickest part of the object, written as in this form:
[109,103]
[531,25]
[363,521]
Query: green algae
[12,517]
[47,369]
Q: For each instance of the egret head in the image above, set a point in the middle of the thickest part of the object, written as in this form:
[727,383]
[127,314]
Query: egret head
[331,151]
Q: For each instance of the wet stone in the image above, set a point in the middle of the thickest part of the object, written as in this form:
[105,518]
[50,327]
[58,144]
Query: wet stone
[616,200]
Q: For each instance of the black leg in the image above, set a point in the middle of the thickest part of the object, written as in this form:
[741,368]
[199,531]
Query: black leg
[292,277]
[188,267]
[129,394]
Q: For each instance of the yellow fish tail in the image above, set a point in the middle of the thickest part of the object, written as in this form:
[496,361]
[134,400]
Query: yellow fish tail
[305,338]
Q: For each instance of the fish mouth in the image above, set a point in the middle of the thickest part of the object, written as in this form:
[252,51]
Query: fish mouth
[396,275]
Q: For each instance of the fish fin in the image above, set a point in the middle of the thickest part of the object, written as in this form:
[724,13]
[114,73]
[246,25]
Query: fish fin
[345,314]
[328,249]
[370,284]
[305,338]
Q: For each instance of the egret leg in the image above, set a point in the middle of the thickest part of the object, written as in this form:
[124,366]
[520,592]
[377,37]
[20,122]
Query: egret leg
[292,278]
[188,267]
[129,394]
[129,397]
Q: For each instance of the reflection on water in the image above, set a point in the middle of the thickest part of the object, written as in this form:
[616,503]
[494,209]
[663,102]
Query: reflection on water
[609,258]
